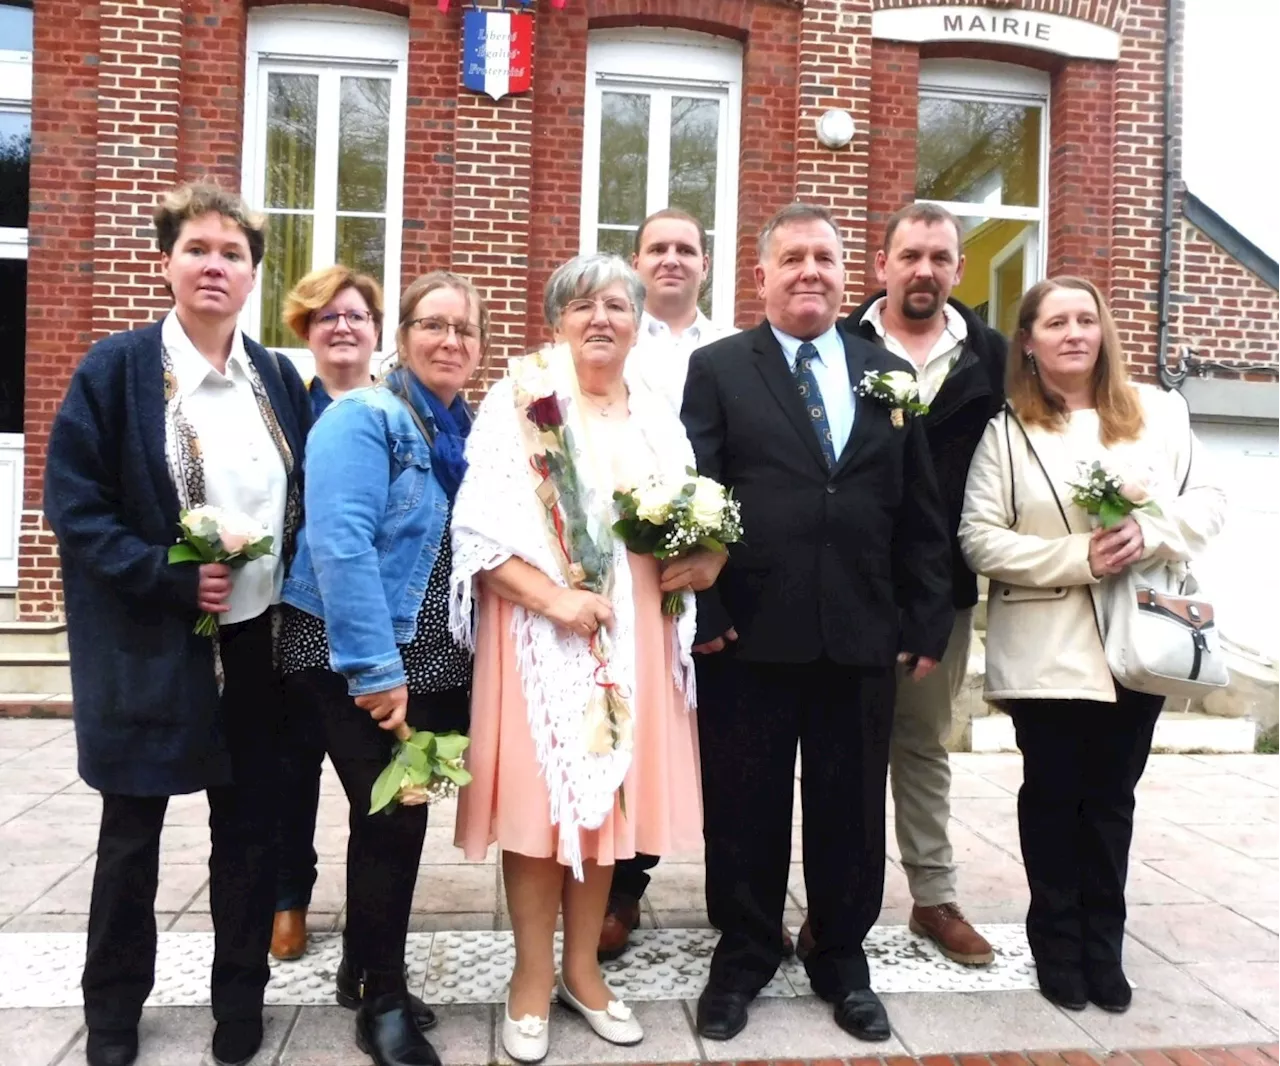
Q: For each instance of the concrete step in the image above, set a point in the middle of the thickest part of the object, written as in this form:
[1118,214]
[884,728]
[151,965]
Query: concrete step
[41,672]
[8,605]
[1176,731]
[22,637]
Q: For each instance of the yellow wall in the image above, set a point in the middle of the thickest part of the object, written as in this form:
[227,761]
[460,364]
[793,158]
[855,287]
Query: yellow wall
[981,245]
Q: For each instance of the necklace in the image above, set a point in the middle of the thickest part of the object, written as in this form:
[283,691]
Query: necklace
[604,410]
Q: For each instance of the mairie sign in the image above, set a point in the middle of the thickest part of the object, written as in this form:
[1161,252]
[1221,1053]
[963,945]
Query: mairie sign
[497,52]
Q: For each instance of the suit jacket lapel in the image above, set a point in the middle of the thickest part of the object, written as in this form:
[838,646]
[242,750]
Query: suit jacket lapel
[772,364]
[856,361]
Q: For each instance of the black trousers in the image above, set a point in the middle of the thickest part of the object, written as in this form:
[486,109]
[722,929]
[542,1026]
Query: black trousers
[301,760]
[384,849]
[842,718]
[1081,763]
[120,961]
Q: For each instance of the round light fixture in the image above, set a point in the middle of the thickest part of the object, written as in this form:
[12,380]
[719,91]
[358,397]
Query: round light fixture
[835,128]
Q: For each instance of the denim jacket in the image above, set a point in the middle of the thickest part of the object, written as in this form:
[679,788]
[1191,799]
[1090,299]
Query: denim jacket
[375,516]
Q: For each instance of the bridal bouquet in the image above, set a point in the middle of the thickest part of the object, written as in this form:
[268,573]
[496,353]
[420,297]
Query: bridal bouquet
[897,390]
[667,521]
[216,535]
[425,767]
[1109,496]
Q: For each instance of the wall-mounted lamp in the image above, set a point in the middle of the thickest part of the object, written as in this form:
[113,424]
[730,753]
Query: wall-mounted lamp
[835,128]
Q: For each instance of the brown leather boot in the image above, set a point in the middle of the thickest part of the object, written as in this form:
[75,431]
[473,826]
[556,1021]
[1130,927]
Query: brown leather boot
[621,918]
[289,935]
[947,927]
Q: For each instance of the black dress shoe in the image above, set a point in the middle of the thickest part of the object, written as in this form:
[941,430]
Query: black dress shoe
[1062,987]
[860,1013]
[348,994]
[111,1047]
[1110,990]
[235,1042]
[722,1014]
[387,1031]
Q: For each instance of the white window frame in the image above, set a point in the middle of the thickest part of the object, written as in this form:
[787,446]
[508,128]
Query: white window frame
[1004,83]
[654,61]
[316,41]
[15,95]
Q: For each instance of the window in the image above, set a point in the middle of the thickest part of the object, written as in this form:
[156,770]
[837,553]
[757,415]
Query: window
[656,138]
[15,198]
[981,153]
[324,151]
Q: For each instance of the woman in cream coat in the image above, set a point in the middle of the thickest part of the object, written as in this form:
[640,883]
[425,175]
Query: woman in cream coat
[1084,738]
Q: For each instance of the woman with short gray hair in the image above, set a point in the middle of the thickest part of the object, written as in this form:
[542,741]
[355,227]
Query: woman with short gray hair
[583,686]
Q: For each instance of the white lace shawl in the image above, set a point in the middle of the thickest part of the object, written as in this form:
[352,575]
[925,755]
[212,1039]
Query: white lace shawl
[496,517]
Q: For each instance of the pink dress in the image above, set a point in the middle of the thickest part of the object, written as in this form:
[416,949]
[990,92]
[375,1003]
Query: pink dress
[507,798]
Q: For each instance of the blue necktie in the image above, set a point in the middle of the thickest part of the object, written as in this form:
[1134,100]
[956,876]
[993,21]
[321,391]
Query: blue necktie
[807,383]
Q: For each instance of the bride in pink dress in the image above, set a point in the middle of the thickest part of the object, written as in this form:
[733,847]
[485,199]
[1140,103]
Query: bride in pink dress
[565,787]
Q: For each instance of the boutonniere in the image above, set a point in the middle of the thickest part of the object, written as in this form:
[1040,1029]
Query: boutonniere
[897,390]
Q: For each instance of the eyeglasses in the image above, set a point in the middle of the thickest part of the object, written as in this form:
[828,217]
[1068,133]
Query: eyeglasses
[614,307]
[355,319]
[437,329]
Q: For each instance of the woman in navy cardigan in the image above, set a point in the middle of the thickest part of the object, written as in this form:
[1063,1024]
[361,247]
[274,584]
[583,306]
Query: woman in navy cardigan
[181,413]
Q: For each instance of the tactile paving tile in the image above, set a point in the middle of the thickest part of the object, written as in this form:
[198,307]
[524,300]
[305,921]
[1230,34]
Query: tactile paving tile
[43,969]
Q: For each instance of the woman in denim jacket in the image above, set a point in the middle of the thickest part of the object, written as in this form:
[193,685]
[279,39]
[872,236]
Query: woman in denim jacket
[366,636]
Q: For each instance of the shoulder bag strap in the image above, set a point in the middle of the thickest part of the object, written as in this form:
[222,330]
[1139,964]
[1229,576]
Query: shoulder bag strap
[427,434]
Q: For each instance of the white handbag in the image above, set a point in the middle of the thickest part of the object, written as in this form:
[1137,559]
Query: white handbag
[1160,635]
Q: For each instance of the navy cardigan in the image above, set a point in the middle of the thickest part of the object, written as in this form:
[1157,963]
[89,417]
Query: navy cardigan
[146,703]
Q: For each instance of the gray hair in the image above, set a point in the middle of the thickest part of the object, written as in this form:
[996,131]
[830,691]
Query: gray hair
[586,275]
[796,212]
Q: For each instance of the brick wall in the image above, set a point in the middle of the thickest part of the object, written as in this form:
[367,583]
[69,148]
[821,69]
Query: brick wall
[895,115]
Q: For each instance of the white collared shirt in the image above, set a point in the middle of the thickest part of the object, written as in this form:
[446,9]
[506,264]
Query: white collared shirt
[662,359]
[243,470]
[832,372]
[942,357]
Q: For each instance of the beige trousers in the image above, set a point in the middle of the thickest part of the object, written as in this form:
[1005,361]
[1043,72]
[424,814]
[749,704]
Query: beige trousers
[920,774]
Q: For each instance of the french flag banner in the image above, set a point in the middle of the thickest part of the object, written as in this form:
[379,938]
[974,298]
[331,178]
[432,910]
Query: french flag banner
[497,52]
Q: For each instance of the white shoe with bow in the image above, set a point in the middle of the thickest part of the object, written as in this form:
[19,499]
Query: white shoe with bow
[525,1040]
[615,1023]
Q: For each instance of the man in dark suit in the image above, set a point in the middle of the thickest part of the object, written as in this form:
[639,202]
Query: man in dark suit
[845,568]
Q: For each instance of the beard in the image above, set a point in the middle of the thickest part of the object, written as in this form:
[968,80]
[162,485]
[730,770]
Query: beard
[915,311]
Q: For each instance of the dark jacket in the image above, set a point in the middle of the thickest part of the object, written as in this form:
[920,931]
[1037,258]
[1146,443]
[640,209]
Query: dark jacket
[145,696]
[970,397]
[850,562]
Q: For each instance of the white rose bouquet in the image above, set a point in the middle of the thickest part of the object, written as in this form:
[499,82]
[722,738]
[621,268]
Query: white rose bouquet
[898,390]
[667,521]
[215,535]
[1108,496]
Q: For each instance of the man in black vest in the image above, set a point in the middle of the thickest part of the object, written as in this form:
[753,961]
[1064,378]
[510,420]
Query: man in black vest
[844,571]
[959,365]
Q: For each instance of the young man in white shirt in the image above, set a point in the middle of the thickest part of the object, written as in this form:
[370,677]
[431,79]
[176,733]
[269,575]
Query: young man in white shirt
[959,363]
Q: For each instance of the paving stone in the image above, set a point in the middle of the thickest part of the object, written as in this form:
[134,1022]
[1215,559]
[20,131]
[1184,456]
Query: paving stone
[1256,841]
[794,1029]
[22,886]
[1261,911]
[438,849]
[929,1022]
[36,778]
[667,1038]
[678,887]
[13,804]
[37,1038]
[1201,932]
[26,839]
[1253,987]
[323,1036]
[464,1036]
[463,888]
[1237,878]
[178,886]
[1154,882]
[47,923]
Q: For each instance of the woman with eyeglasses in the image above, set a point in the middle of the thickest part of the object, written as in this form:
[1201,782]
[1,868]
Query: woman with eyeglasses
[366,637]
[337,314]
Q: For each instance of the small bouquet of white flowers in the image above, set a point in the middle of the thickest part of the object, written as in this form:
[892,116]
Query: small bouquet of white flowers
[1109,496]
[666,521]
[897,390]
[425,767]
[215,535]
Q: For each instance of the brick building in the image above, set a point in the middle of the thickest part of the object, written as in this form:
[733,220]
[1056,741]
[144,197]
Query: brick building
[1042,123]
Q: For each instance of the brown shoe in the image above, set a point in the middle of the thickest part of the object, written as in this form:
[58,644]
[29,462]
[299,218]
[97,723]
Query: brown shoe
[289,934]
[946,926]
[622,917]
[804,942]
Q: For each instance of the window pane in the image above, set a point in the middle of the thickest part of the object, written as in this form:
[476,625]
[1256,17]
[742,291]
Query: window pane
[695,138]
[291,140]
[364,129]
[15,27]
[616,242]
[978,152]
[361,242]
[994,246]
[13,342]
[15,168]
[624,158]
[704,297]
[287,259]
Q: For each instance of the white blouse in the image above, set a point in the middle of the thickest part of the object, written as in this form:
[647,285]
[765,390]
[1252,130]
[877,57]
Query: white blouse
[243,470]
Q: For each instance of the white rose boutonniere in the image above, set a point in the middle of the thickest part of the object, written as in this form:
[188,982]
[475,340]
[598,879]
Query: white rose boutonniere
[897,390]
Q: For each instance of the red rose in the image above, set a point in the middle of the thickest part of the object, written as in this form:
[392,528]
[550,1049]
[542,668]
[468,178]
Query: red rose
[545,412]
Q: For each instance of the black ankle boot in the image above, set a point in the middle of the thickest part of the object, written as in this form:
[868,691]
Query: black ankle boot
[1109,989]
[387,1031]
[1062,987]
[352,988]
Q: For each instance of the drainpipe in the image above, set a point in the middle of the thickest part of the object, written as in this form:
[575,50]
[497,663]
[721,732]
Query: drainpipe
[1169,377]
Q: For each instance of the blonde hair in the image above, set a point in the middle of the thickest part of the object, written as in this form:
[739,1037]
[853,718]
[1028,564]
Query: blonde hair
[194,199]
[428,283]
[320,287]
[1115,398]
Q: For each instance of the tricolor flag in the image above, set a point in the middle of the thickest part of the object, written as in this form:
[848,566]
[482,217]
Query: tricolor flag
[497,52]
